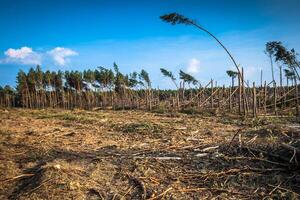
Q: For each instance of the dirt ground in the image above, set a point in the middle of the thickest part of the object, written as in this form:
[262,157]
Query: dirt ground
[57,154]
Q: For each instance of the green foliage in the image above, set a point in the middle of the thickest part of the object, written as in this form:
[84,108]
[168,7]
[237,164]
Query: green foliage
[175,18]
[120,80]
[74,80]
[21,82]
[167,73]
[289,74]
[132,80]
[6,90]
[144,77]
[232,74]
[116,68]
[105,77]
[276,49]
[187,78]
[31,79]
[284,56]
[67,116]
[39,77]
[89,76]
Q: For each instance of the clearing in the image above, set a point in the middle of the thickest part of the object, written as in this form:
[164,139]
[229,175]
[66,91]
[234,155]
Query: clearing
[59,154]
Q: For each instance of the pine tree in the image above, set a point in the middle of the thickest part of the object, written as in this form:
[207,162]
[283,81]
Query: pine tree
[22,89]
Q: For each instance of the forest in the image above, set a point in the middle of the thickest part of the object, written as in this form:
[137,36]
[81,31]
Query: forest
[110,88]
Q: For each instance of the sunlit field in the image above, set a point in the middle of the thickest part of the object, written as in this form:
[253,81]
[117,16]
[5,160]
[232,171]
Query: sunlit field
[57,154]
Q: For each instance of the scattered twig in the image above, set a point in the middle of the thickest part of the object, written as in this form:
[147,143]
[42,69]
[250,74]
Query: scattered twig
[240,141]
[252,140]
[16,177]
[212,189]
[255,158]
[209,148]
[275,188]
[238,131]
[294,156]
[162,194]
[281,188]
[154,180]
[115,195]
[127,192]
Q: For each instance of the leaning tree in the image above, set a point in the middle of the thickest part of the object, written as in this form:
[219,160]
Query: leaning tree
[175,18]
[146,82]
[170,75]
[284,56]
[187,78]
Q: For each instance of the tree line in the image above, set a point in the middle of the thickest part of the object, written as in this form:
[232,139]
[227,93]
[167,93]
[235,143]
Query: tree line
[69,89]
[110,88]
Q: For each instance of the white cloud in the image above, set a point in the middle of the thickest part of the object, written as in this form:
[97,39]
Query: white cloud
[193,66]
[24,55]
[19,53]
[61,54]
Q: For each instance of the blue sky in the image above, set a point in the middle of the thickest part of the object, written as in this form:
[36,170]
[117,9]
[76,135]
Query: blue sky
[74,34]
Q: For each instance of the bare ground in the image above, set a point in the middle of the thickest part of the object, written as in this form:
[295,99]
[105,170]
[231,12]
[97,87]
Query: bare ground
[56,154]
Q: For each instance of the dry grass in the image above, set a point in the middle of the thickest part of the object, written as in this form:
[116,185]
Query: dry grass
[55,154]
